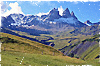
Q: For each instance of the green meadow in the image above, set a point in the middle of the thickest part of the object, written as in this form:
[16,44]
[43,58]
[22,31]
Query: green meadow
[14,48]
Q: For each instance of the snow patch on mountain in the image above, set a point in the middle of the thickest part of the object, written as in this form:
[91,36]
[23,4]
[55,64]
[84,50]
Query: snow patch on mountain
[51,22]
[88,23]
[70,20]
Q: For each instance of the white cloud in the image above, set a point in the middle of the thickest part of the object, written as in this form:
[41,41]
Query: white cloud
[35,3]
[76,2]
[3,7]
[60,9]
[14,9]
[40,14]
[58,1]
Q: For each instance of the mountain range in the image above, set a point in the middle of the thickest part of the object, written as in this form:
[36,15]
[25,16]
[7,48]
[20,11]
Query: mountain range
[51,22]
[65,33]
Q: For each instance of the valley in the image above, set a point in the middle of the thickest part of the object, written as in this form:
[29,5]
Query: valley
[17,48]
[52,39]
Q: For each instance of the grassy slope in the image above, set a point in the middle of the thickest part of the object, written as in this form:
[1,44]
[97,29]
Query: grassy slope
[88,55]
[16,43]
[17,48]
[95,49]
[59,41]
[92,52]
[14,59]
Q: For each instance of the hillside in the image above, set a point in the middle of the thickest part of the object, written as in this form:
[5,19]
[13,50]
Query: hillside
[86,49]
[10,58]
[14,48]
[15,43]
[59,39]
[65,42]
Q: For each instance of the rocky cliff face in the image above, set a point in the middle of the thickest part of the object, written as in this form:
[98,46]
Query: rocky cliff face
[72,14]
[66,13]
[54,14]
[84,48]
[88,23]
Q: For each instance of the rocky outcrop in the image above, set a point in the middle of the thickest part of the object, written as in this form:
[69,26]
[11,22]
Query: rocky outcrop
[66,13]
[54,14]
[72,14]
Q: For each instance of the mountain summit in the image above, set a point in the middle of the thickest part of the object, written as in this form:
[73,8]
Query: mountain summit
[72,14]
[88,23]
[53,14]
[66,13]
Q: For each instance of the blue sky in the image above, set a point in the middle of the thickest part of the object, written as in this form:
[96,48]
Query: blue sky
[83,10]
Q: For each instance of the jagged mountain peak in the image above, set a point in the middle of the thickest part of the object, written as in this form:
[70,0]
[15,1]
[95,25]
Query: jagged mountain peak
[53,14]
[66,9]
[66,13]
[73,15]
[88,21]
[52,18]
[54,11]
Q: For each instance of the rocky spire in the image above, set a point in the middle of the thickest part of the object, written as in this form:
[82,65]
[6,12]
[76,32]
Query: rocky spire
[88,21]
[66,13]
[72,14]
[53,14]
[54,11]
